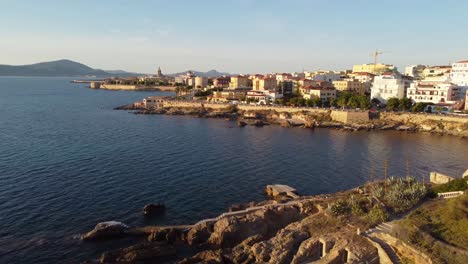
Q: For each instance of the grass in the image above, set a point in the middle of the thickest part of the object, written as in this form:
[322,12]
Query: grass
[440,228]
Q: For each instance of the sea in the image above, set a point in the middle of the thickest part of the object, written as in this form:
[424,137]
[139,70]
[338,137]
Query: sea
[69,161]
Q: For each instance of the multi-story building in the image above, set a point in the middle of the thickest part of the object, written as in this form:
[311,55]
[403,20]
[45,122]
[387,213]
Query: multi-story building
[373,68]
[364,77]
[264,84]
[221,82]
[230,94]
[437,73]
[201,82]
[239,81]
[459,76]
[281,77]
[387,86]
[351,85]
[264,96]
[324,93]
[432,92]
[323,75]
[466,101]
[415,71]
[285,87]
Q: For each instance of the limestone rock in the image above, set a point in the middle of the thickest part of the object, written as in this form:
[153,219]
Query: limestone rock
[106,230]
[205,257]
[144,252]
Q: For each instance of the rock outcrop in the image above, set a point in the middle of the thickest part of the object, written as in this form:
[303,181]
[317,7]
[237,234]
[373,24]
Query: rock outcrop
[140,253]
[106,230]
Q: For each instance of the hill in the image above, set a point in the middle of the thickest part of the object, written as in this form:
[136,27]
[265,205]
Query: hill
[211,73]
[52,68]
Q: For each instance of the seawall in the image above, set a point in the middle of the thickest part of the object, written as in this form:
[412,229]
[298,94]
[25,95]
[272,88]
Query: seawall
[135,87]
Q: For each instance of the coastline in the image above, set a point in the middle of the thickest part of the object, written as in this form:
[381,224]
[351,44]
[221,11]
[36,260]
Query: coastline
[316,118]
[333,228]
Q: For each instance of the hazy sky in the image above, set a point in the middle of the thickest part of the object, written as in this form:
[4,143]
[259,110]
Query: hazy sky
[232,35]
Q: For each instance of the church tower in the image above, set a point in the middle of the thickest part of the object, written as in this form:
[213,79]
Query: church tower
[159,74]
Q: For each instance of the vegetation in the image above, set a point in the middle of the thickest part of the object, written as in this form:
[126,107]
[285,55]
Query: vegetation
[377,215]
[419,107]
[435,224]
[452,186]
[351,100]
[403,194]
[340,207]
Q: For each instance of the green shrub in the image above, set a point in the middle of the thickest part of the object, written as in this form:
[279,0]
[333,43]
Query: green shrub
[452,186]
[377,215]
[340,207]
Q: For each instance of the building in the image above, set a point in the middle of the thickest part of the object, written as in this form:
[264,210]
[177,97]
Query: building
[221,82]
[285,87]
[324,93]
[415,71]
[201,82]
[187,79]
[373,68]
[466,101]
[432,92]
[155,101]
[459,76]
[229,94]
[257,96]
[364,77]
[264,96]
[281,77]
[437,73]
[264,84]
[322,75]
[387,86]
[351,85]
[239,81]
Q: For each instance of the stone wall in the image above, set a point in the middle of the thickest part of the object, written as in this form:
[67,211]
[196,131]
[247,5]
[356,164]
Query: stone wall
[420,118]
[439,178]
[348,117]
[127,87]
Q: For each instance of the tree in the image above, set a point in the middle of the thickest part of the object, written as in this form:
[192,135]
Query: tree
[393,104]
[405,104]
[364,102]
[418,107]
[316,101]
[353,102]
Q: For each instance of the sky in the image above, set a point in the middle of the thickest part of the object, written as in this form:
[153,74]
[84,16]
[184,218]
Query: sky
[236,36]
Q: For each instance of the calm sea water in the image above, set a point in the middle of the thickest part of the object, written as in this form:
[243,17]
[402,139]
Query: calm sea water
[68,161]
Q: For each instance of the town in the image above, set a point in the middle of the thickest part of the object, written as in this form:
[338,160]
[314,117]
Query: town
[420,88]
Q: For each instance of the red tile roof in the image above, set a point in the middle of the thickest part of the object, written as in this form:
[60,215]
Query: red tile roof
[463,61]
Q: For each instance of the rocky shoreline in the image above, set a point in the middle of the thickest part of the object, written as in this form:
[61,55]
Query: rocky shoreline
[304,120]
[327,228]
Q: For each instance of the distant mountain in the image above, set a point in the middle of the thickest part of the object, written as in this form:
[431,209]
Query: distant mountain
[121,73]
[52,68]
[212,73]
[75,69]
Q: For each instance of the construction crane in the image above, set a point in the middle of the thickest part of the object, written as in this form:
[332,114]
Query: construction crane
[376,54]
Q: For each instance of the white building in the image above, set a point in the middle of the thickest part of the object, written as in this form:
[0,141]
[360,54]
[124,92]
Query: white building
[327,76]
[432,92]
[201,82]
[415,71]
[387,86]
[459,76]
